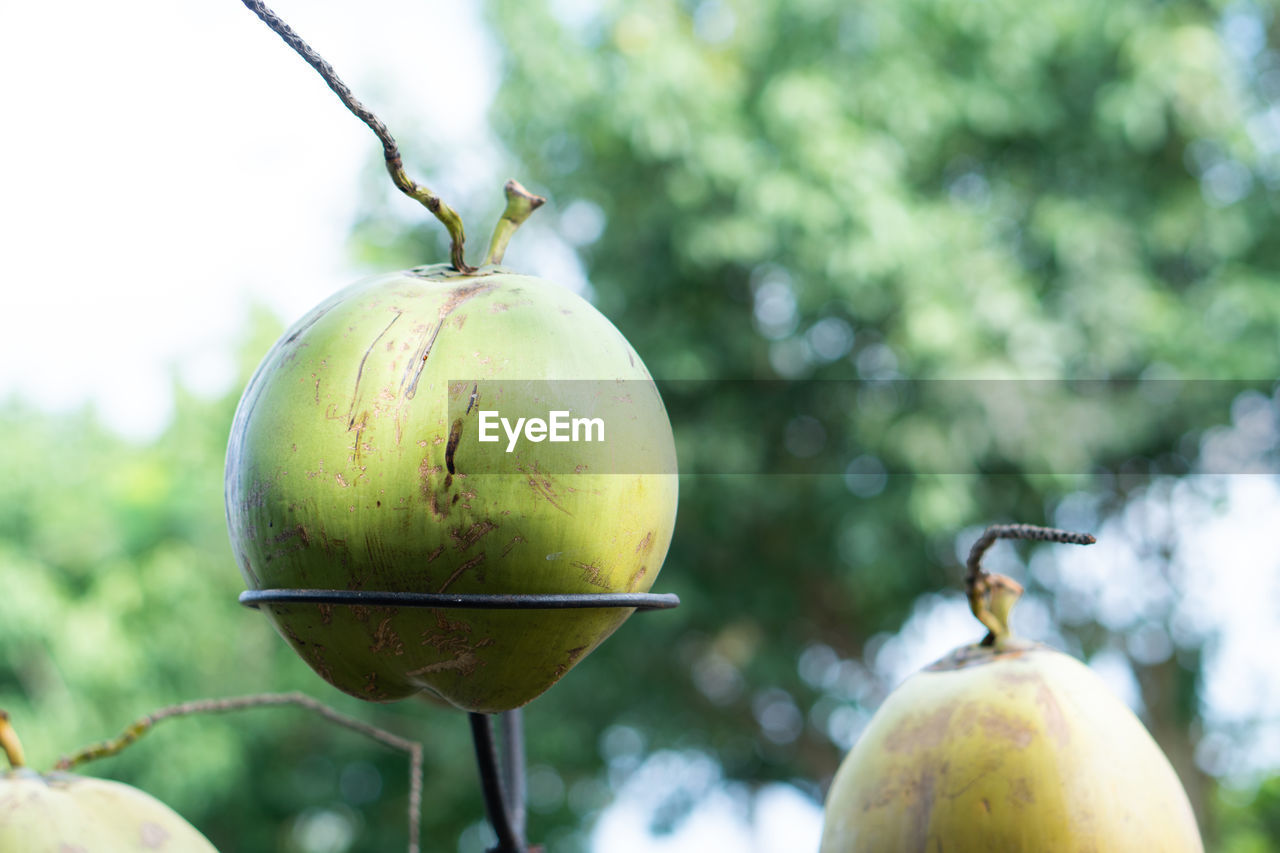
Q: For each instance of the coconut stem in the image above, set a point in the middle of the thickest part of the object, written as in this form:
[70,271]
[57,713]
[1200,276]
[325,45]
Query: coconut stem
[991,597]
[390,151]
[10,744]
[258,700]
[520,204]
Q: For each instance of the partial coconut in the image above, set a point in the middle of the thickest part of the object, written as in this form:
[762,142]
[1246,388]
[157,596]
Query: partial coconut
[64,813]
[355,464]
[1006,745]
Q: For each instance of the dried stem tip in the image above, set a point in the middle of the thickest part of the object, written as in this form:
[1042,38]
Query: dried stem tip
[991,597]
[9,743]
[520,204]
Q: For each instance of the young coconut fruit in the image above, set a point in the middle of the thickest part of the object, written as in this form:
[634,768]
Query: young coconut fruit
[356,462]
[359,461]
[1006,746]
[64,813]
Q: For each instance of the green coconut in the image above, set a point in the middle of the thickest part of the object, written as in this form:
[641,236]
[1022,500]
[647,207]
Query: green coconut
[64,813]
[1005,750]
[354,464]
[1006,746]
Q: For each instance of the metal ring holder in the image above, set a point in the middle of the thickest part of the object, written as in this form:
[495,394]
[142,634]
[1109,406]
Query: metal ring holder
[501,780]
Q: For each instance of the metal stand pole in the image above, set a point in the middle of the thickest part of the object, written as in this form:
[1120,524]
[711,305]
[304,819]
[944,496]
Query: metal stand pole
[510,840]
[513,768]
[502,781]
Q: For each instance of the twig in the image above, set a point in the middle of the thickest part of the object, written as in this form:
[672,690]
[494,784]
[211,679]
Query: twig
[991,597]
[390,151]
[1019,531]
[238,703]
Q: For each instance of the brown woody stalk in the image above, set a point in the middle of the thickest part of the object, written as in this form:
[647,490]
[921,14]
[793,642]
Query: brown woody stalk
[259,700]
[991,597]
[391,152]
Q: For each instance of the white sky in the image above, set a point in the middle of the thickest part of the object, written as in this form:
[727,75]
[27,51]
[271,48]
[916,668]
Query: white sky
[163,162]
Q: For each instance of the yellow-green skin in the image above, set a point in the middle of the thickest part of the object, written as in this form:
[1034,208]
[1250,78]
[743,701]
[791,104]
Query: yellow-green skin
[344,472]
[1022,749]
[63,813]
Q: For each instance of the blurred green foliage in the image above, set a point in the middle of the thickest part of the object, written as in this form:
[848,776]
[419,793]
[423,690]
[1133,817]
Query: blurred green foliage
[120,597]
[774,190]
[1251,819]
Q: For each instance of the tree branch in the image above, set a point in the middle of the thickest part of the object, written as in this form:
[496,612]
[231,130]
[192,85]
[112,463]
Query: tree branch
[390,151]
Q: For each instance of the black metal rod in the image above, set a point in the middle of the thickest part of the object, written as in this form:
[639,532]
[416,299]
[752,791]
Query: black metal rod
[513,768]
[574,601]
[507,816]
[491,784]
